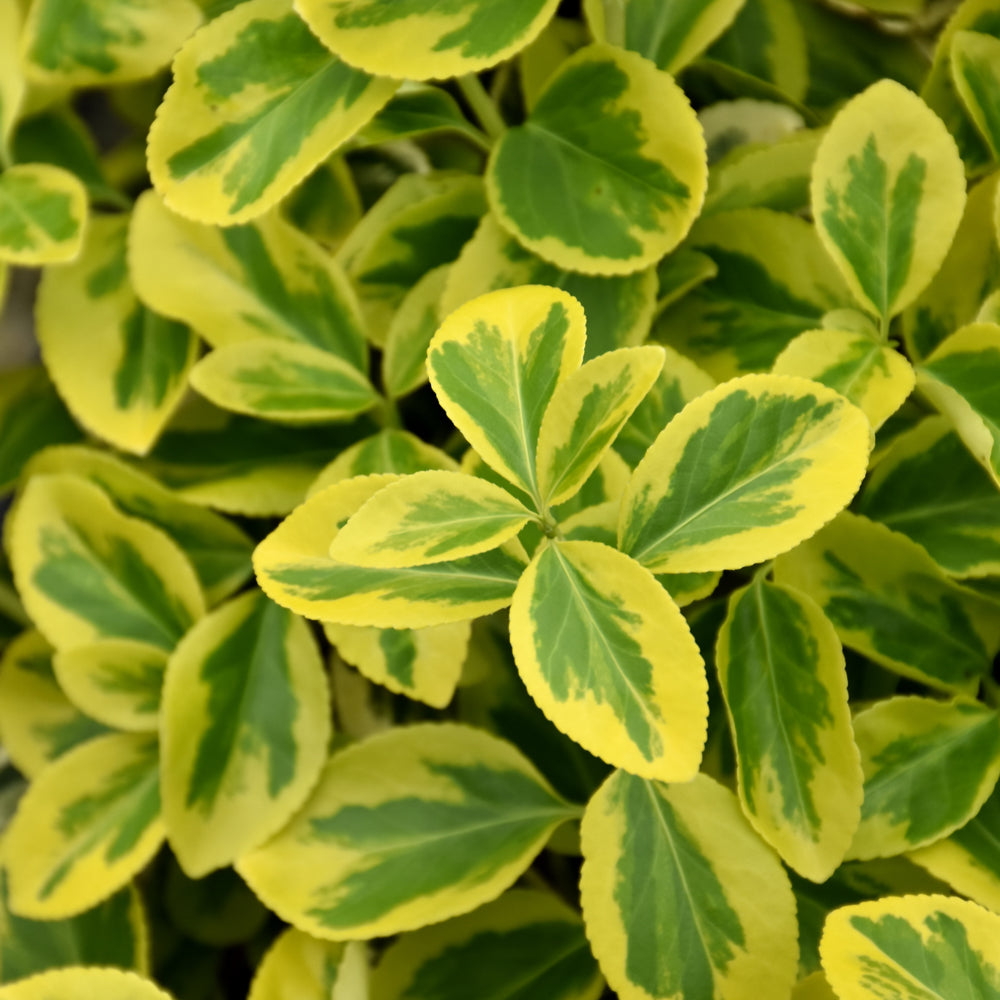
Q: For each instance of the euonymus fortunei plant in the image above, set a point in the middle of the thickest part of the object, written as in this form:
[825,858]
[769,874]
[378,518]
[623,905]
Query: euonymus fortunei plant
[508,501]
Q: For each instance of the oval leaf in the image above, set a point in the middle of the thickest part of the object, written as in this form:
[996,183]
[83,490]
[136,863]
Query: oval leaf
[782,675]
[405,829]
[744,472]
[608,657]
[429,517]
[85,826]
[87,572]
[300,967]
[79,983]
[974,72]
[42,212]
[410,333]
[681,861]
[888,190]
[256,103]
[620,167]
[246,723]
[911,748]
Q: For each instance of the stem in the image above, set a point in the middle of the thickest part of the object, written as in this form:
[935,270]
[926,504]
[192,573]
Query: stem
[482,105]
[386,413]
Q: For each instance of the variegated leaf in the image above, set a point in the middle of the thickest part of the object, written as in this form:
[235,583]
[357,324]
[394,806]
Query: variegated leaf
[619,308]
[526,939]
[912,749]
[418,110]
[86,571]
[83,983]
[969,859]
[969,273]
[410,332]
[813,987]
[913,947]
[494,365]
[406,828]
[782,675]
[960,378]
[98,42]
[888,189]
[974,73]
[586,413]
[744,472]
[875,378]
[294,569]
[113,933]
[421,222]
[680,272]
[609,658]
[928,487]
[38,723]
[42,214]
[681,899]
[774,281]
[256,103]
[86,825]
[241,283]
[890,602]
[32,417]
[388,451]
[424,664]
[326,206]
[285,382]
[12,82]
[300,967]
[536,63]
[219,551]
[116,681]
[619,166]
[121,368]
[244,730]
[422,40]
[670,34]
[746,121]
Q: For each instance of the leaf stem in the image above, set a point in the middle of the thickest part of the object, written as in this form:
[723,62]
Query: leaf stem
[482,105]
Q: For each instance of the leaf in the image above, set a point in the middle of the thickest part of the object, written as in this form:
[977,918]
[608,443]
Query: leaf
[410,332]
[244,732]
[418,110]
[424,41]
[744,472]
[680,272]
[295,570]
[912,946]
[113,933]
[969,859]
[424,664]
[87,572]
[12,82]
[494,365]
[586,413]
[121,368]
[681,899]
[888,191]
[42,212]
[973,70]
[671,35]
[527,931]
[116,681]
[38,723]
[219,551]
[390,450]
[288,382]
[406,828]
[326,206]
[959,378]
[929,767]
[86,825]
[746,121]
[32,417]
[609,659]
[774,281]
[429,517]
[890,602]
[781,670]
[300,967]
[875,378]
[241,283]
[928,487]
[256,103]
[96,42]
[618,166]
[79,983]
